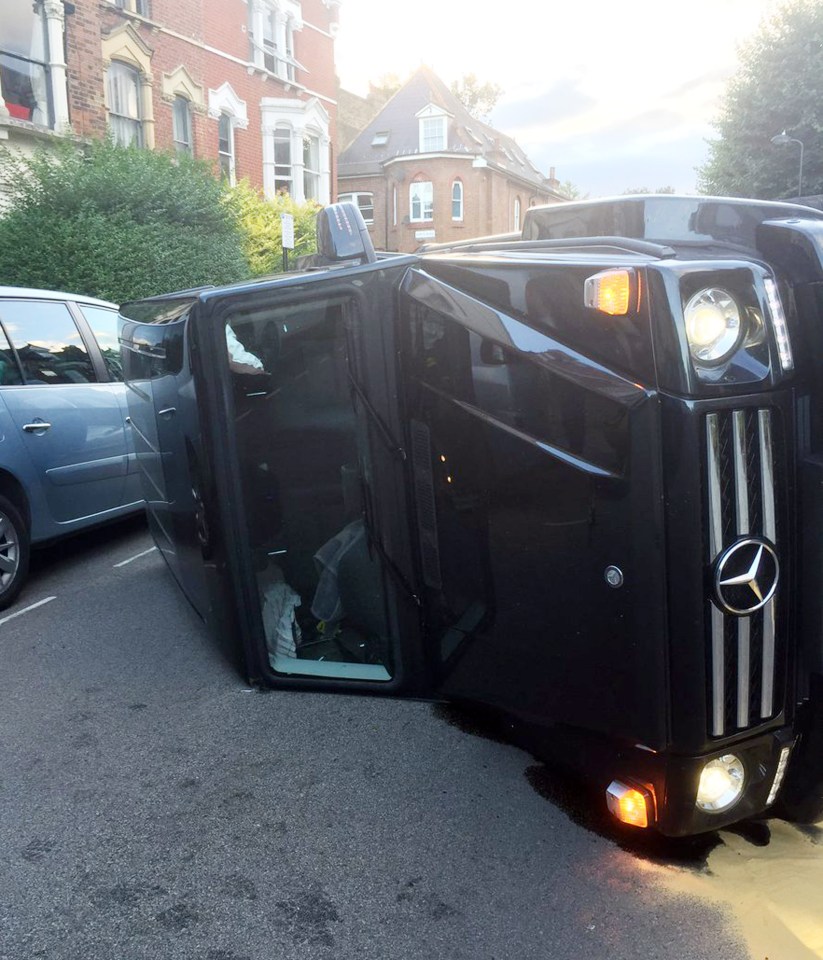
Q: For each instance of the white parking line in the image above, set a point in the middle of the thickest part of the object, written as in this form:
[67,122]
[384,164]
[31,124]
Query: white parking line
[135,557]
[32,606]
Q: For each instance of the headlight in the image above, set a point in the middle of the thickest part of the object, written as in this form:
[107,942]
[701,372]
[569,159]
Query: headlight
[713,325]
[721,784]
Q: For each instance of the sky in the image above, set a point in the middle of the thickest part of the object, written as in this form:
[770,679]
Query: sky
[614,96]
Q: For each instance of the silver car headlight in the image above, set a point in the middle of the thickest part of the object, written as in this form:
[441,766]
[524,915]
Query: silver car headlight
[714,325]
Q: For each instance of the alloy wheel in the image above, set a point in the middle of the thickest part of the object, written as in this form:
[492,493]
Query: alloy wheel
[9,552]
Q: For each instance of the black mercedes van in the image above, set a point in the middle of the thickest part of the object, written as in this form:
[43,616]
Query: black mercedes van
[575,476]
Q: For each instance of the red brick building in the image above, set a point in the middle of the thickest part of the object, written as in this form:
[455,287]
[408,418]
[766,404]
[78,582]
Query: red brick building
[247,84]
[425,170]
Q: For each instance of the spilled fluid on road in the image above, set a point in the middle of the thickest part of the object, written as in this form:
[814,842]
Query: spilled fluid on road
[774,891]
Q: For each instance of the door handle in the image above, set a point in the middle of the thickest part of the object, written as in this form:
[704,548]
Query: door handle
[34,427]
[167,412]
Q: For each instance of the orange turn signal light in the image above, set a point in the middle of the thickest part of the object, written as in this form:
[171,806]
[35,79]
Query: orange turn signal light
[629,804]
[609,292]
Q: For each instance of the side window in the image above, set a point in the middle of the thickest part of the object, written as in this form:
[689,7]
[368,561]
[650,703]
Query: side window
[47,341]
[9,371]
[103,325]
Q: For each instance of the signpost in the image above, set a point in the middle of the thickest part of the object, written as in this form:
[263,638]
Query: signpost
[287,229]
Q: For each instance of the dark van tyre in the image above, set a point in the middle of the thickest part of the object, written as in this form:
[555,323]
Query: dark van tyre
[14,552]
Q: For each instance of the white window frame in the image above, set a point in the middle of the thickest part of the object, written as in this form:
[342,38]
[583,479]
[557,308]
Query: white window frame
[302,118]
[271,27]
[517,213]
[283,172]
[51,109]
[181,109]
[127,121]
[312,142]
[224,102]
[226,158]
[457,199]
[140,7]
[364,202]
[126,47]
[433,129]
[421,193]
[433,134]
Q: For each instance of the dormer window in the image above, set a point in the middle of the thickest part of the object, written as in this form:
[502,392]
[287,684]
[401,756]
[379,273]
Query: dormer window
[433,134]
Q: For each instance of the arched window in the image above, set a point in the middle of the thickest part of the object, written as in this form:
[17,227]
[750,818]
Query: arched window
[311,166]
[282,159]
[225,146]
[124,95]
[181,125]
[421,201]
[457,200]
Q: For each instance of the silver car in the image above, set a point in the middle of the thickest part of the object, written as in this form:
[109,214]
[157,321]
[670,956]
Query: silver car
[66,454]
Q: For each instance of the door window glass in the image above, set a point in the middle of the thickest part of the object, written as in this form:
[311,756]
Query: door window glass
[306,470]
[47,341]
[9,371]
[103,325]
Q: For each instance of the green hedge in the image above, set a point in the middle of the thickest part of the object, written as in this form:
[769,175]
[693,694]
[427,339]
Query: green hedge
[116,223]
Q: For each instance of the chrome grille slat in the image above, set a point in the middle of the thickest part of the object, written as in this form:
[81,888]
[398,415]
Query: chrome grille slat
[764,420]
[741,503]
[715,498]
[740,475]
[743,668]
[718,672]
[767,688]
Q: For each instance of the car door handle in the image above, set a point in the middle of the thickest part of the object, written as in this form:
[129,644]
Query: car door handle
[168,412]
[34,427]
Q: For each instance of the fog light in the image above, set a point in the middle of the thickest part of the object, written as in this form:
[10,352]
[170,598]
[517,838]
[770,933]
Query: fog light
[721,784]
[782,765]
[628,804]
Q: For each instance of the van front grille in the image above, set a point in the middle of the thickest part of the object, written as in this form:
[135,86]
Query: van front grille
[743,650]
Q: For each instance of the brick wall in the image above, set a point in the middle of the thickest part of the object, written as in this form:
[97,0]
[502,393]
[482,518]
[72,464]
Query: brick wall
[220,24]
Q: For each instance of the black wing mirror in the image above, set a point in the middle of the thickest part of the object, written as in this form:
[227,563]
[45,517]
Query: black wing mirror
[342,234]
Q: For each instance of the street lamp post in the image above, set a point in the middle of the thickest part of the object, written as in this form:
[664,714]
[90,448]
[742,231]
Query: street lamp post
[783,138]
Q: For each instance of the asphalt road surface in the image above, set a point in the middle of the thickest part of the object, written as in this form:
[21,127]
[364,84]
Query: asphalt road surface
[152,806]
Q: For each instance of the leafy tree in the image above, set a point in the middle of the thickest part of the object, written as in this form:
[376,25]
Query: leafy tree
[571,191]
[478,98]
[261,227]
[640,190]
[386,87]
[778,86]
[115,223]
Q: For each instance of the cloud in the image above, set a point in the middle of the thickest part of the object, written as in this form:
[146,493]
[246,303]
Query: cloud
[557,102]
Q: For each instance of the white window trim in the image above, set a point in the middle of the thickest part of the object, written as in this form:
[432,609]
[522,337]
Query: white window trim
[187,147]
[55,21]
[288,20]
[422,218]
[458,183]
[303,118]
[428,113]
[231,154]
[224,102]
[517,214]
[355,199]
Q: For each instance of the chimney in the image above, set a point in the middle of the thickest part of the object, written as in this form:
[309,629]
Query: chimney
[553,182]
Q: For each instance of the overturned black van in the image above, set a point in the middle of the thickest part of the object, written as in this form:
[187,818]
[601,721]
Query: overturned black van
[576,477]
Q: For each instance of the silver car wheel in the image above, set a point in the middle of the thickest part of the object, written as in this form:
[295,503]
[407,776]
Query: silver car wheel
[9,553]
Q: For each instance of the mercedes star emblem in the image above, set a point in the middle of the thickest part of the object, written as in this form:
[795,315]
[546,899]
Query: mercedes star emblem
[745,577]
